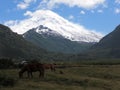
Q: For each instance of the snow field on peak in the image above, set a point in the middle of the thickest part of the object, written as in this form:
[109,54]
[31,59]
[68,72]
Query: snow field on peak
[49,19]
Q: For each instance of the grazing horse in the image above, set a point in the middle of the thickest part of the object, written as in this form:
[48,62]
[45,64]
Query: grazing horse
[50,66]
[32,67]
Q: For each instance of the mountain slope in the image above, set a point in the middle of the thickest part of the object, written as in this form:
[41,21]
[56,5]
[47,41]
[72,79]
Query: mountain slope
[52,41]
[109,46]
[56,23]
[112,40]
[13,45]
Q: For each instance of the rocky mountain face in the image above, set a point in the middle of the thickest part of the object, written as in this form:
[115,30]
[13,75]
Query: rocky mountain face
[50,40]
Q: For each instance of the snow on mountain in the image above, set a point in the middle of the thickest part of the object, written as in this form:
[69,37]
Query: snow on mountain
[49,19]
[45,30]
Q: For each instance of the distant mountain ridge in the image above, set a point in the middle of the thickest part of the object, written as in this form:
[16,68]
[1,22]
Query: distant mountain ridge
[13,45]
[50,40]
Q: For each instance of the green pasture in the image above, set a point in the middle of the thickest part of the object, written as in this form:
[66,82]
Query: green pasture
[82,77]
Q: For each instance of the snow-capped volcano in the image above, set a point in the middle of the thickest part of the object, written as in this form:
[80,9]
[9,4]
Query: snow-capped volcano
[47,18]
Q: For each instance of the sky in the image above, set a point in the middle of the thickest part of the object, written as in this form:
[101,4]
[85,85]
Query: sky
[98,15]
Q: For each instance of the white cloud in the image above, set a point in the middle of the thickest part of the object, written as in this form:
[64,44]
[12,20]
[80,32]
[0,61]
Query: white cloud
[25,4]
[71,17]
[100,11]
[117,10]
[28,13]
[87,4]
[82,12]
[117,1]
[43,4]
[22,5]
[11,22]
[92,11]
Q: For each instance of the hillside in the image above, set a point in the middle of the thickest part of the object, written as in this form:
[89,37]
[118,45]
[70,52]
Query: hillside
[13,45]
[109,46]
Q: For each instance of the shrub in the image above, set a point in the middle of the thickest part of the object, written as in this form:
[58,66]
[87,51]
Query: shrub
[6,63]
[7,81]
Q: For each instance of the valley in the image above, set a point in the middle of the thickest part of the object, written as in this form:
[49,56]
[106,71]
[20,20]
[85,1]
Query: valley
[60,45]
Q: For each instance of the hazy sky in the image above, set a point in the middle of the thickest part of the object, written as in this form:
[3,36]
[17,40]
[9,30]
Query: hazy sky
[99,15]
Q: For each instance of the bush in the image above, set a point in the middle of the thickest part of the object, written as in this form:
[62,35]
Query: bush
[6,63]
[7,81]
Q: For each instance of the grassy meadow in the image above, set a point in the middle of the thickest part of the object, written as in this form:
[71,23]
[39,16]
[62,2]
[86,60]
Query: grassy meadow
[77,77]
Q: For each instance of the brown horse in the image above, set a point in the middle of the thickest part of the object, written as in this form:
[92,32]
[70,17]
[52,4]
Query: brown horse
[50,66]
[32,67]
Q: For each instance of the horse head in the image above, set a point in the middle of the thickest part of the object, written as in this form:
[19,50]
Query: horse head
[23,69]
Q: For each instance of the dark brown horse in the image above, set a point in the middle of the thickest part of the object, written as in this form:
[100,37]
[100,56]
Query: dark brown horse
[50,66]
[32,67]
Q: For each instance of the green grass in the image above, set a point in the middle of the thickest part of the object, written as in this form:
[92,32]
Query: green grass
[85,77]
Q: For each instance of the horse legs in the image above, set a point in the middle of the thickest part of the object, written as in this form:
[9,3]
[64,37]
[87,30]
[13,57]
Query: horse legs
[42,72]
[20,74]
[39,74]
[29,74]
[52,68]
